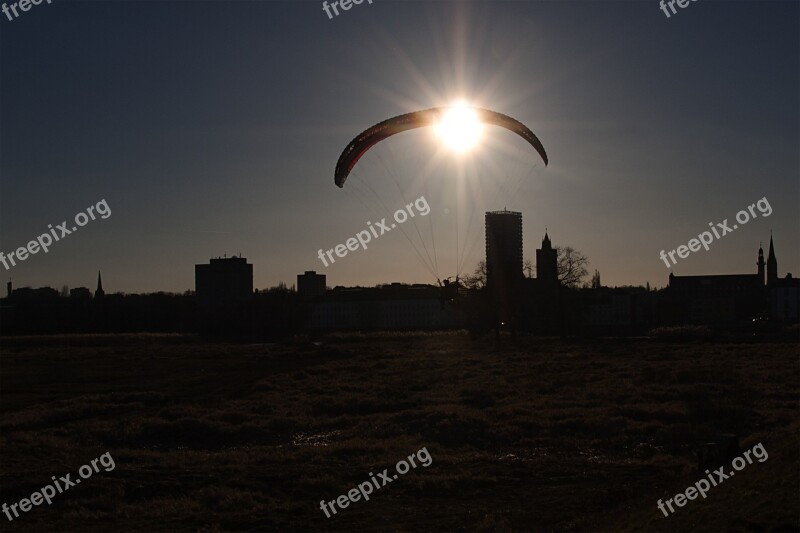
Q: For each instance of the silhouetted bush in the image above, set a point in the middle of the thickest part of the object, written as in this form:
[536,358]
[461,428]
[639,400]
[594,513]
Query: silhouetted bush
[681,333]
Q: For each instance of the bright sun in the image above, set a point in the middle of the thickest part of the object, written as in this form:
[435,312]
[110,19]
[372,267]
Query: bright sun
[460,128]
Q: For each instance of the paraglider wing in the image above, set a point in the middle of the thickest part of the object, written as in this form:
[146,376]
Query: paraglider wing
[380,131]
[511,124]
[418,119]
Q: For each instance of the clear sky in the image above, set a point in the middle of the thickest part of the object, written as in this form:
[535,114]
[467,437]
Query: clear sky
[213,127]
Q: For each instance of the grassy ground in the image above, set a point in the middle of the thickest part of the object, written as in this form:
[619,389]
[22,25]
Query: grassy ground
[541,434]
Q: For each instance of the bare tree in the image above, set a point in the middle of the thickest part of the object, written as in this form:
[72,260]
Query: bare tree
[596,280]
[528,268]
[571,266]
[281,287]
[477,280]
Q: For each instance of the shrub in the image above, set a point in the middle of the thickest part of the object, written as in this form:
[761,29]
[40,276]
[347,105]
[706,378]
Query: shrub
[681,333]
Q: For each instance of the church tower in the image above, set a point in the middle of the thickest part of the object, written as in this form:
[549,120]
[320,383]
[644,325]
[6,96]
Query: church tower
[761,279]
[546,262]
[772,264]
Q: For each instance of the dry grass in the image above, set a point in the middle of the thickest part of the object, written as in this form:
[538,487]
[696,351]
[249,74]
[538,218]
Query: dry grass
[537,435]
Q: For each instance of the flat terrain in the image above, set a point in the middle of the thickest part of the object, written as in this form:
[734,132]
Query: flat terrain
[537,435]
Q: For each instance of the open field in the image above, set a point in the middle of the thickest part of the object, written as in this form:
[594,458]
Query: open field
[541,434]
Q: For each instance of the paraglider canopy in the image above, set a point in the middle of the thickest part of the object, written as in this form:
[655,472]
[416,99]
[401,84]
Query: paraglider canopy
[459,126]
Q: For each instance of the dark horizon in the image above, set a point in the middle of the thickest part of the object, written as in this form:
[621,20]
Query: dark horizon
[781,273]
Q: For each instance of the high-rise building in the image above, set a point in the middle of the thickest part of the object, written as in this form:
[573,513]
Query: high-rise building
[503,247]
[760,263]
[310,284]
[504,259]
[224,281]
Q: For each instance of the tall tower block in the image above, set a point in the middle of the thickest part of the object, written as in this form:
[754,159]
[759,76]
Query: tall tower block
[504,258]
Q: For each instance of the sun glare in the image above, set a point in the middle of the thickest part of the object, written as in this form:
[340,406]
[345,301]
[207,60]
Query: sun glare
[460,128]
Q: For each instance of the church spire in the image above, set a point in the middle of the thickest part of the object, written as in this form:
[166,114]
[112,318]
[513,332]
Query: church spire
[99,293]
[772,263]
[546,241]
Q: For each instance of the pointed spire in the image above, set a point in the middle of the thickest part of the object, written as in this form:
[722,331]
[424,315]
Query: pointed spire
[99,293]
[772,263]
[771,247]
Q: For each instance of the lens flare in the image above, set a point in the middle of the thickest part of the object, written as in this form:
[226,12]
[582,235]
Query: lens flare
[460,128]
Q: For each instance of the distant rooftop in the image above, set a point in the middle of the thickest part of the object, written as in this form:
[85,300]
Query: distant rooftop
[238,258]
[503,212]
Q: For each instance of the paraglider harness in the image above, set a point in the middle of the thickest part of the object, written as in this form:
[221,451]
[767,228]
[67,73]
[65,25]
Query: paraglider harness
[448,291]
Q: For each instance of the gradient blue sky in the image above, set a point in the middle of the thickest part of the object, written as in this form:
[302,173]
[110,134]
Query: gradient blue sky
[213,127]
